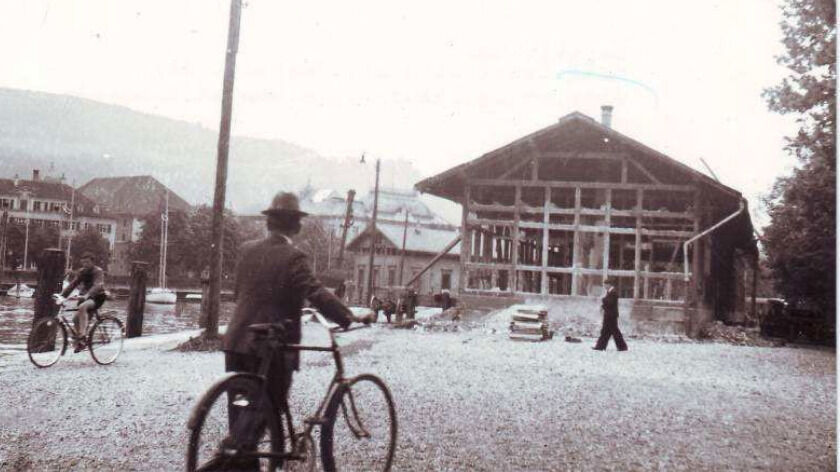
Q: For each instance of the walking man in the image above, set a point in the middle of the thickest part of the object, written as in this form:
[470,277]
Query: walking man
[609,327]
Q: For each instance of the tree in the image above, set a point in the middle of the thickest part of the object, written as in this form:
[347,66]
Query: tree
[201,221]
[800,240]
[90,241]
[314,240]
[40,238]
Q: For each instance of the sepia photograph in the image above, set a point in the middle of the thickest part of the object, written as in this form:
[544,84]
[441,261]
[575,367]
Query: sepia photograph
[256,235]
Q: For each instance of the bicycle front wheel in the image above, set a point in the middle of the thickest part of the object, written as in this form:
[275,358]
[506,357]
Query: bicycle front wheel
[105,340]
[46,342]
[360,431]
[232,425]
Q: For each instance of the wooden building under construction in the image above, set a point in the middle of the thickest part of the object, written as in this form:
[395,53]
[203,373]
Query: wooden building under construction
[552,214]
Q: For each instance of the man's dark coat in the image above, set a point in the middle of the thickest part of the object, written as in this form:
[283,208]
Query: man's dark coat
[609,327]
[272,280]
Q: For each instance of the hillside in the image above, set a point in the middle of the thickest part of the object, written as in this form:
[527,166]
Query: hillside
[84,139]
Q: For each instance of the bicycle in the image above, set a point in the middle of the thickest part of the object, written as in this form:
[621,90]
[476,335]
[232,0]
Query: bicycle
[247,425]
[47,341]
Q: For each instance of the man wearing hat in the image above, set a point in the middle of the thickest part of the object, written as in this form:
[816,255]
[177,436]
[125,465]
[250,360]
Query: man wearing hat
[609,327]
[273,278]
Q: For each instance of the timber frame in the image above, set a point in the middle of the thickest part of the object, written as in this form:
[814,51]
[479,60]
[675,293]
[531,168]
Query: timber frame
[556,212]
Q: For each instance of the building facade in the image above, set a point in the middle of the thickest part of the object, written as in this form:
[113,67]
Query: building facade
[45,202]
[552,214]
[401,252]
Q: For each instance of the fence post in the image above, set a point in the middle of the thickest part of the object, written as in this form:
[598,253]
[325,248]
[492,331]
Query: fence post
[50,274]
[136,299]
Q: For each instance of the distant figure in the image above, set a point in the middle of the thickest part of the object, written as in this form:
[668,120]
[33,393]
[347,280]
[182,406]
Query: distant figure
[445,300]
[340,290]
[411,303]
[609,327]
[389,308]
[375,305]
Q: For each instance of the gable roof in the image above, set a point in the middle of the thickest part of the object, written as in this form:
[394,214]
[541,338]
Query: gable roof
[444,183]
[137,195]
[50,190]
[418,238]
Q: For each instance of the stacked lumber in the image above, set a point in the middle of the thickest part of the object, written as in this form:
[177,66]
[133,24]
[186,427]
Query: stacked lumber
[530,323]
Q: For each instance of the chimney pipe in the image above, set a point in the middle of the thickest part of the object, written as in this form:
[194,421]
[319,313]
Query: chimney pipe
[36,175]
[606,115]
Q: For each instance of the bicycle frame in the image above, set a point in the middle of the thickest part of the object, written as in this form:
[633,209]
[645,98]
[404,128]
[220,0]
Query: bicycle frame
[266,352]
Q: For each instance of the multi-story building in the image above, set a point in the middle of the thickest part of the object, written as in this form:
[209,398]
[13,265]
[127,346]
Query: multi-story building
[128,200]
[49,202]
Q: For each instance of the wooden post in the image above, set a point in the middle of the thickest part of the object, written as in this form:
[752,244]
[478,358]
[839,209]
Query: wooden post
[545,240]
[576,243]
[513,279]
[466,240]
[637,262]
[606,252]
[223,148]
[136,299]
[50,275]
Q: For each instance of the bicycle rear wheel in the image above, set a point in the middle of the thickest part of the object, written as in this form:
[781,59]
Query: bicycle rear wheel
[46,342]
[231,423]
[360,431]
[106,340]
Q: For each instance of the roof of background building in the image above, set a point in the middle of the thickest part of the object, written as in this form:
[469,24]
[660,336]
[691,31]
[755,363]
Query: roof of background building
[51,190]
[137,195]
[418,238]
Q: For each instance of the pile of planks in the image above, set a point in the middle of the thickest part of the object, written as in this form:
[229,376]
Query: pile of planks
[529,323]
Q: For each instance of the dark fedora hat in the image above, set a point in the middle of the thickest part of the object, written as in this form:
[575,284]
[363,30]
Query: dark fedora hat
[284,203]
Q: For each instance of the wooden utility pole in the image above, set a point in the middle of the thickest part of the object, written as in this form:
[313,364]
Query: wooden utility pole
[373,235]
[348,217]
[402,255]
[212,329]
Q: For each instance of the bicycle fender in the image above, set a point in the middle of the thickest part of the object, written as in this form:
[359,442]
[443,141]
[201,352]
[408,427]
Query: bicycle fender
[196,412]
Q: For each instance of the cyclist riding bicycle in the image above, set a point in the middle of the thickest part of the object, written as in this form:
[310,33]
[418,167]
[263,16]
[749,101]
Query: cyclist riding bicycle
[273,278]
[91,282]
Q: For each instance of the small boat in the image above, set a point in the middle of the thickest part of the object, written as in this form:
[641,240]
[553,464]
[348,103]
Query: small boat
[20,291]
[192,297]
[161,295]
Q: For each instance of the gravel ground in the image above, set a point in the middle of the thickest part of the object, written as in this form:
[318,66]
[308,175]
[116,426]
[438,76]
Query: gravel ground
[469,400]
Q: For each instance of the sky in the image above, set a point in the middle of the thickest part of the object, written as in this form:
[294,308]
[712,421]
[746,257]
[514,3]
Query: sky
[436,83]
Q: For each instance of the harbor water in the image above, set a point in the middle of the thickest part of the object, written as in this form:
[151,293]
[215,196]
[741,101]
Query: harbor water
[16,316]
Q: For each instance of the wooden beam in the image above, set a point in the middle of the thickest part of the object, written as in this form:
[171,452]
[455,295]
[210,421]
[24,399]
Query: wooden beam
[624,171]
[606,251]
[637,263]
[556,184]
[612,156]
[435,259]
[466,239]
[645,172]
[514,256]
[546,221]
[515,168]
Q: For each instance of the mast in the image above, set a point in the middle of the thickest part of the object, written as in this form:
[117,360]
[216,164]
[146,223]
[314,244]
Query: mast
[164,242]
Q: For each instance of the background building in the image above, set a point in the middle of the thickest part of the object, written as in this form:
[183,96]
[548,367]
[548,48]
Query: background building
[549,216]
[128,200]
[47,202]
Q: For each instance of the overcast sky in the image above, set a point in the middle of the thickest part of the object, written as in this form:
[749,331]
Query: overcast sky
[433,82]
